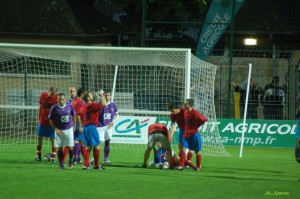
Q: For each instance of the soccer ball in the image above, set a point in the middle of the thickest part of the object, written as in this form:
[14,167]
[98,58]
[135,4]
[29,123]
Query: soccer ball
[91,161]
[48,157]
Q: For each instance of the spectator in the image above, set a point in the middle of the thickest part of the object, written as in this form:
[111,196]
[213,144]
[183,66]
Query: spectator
[273,100]
[253,100]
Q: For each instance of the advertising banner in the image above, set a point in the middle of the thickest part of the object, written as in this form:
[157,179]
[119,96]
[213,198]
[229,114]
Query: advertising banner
[217,19]
[263,133]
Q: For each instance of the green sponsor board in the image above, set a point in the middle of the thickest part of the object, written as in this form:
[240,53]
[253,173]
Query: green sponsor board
[263,133]
[266,133]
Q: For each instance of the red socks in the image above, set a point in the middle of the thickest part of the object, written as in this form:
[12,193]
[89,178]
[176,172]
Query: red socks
[182,159]
[54,152]
[83,150]
[189,156]
[198,160]
[65,152]
[86,158]
[190,164]
[96,153]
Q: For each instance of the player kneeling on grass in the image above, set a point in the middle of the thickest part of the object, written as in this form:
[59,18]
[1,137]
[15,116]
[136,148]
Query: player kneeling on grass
[158,133]
[62,119]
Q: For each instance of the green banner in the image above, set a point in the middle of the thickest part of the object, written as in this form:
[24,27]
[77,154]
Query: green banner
[217,19]
[265,133]
[261,133]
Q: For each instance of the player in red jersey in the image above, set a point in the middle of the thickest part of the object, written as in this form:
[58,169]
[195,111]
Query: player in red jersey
[158,133]
[90,123]
[192,138]
[177,117]
[78,105]
[176,162]
[47,100]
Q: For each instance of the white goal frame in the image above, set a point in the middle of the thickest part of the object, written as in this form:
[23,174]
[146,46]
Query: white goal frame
[185,62]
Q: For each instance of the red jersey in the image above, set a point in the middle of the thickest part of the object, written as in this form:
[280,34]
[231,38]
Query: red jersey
[78,107]
[158,127]
[179,118]
[193,120]
[46,102]
[91,113]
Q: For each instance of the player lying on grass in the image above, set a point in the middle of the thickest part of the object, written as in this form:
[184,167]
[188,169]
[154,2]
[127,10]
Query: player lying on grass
[162,163]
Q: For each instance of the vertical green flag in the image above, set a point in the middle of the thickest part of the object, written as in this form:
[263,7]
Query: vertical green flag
[217,19]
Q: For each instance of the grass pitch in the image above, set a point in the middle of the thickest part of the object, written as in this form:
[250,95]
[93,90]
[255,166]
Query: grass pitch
[261,173]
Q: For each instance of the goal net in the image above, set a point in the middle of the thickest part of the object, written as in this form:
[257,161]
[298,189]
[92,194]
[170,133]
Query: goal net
[142,81]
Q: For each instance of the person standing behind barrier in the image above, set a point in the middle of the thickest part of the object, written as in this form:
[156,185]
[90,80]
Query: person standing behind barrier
[107,115]
[253,100]
[273,100]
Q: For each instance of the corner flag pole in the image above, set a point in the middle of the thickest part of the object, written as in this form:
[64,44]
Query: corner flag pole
[245,110]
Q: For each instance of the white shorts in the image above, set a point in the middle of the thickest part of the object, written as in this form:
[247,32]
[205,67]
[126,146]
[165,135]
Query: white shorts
[65,139]
[105,133]
[158,137]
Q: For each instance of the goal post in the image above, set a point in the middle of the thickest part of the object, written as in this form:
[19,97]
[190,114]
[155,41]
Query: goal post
[142,80]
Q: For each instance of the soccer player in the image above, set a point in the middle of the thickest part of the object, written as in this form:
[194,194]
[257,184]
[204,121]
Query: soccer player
[73,93]
[107,115]
[192,139]
[177,117]
[159,156]
[91,135]
[62,119]
[78,105]
[175,162]
[47,100]
[158,133]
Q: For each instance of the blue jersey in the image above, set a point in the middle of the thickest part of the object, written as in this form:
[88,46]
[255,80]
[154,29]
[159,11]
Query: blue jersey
[159,157]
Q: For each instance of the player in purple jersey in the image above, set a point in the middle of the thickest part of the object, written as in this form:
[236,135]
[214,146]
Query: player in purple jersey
[72,91]
[107,115]
[62,119]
